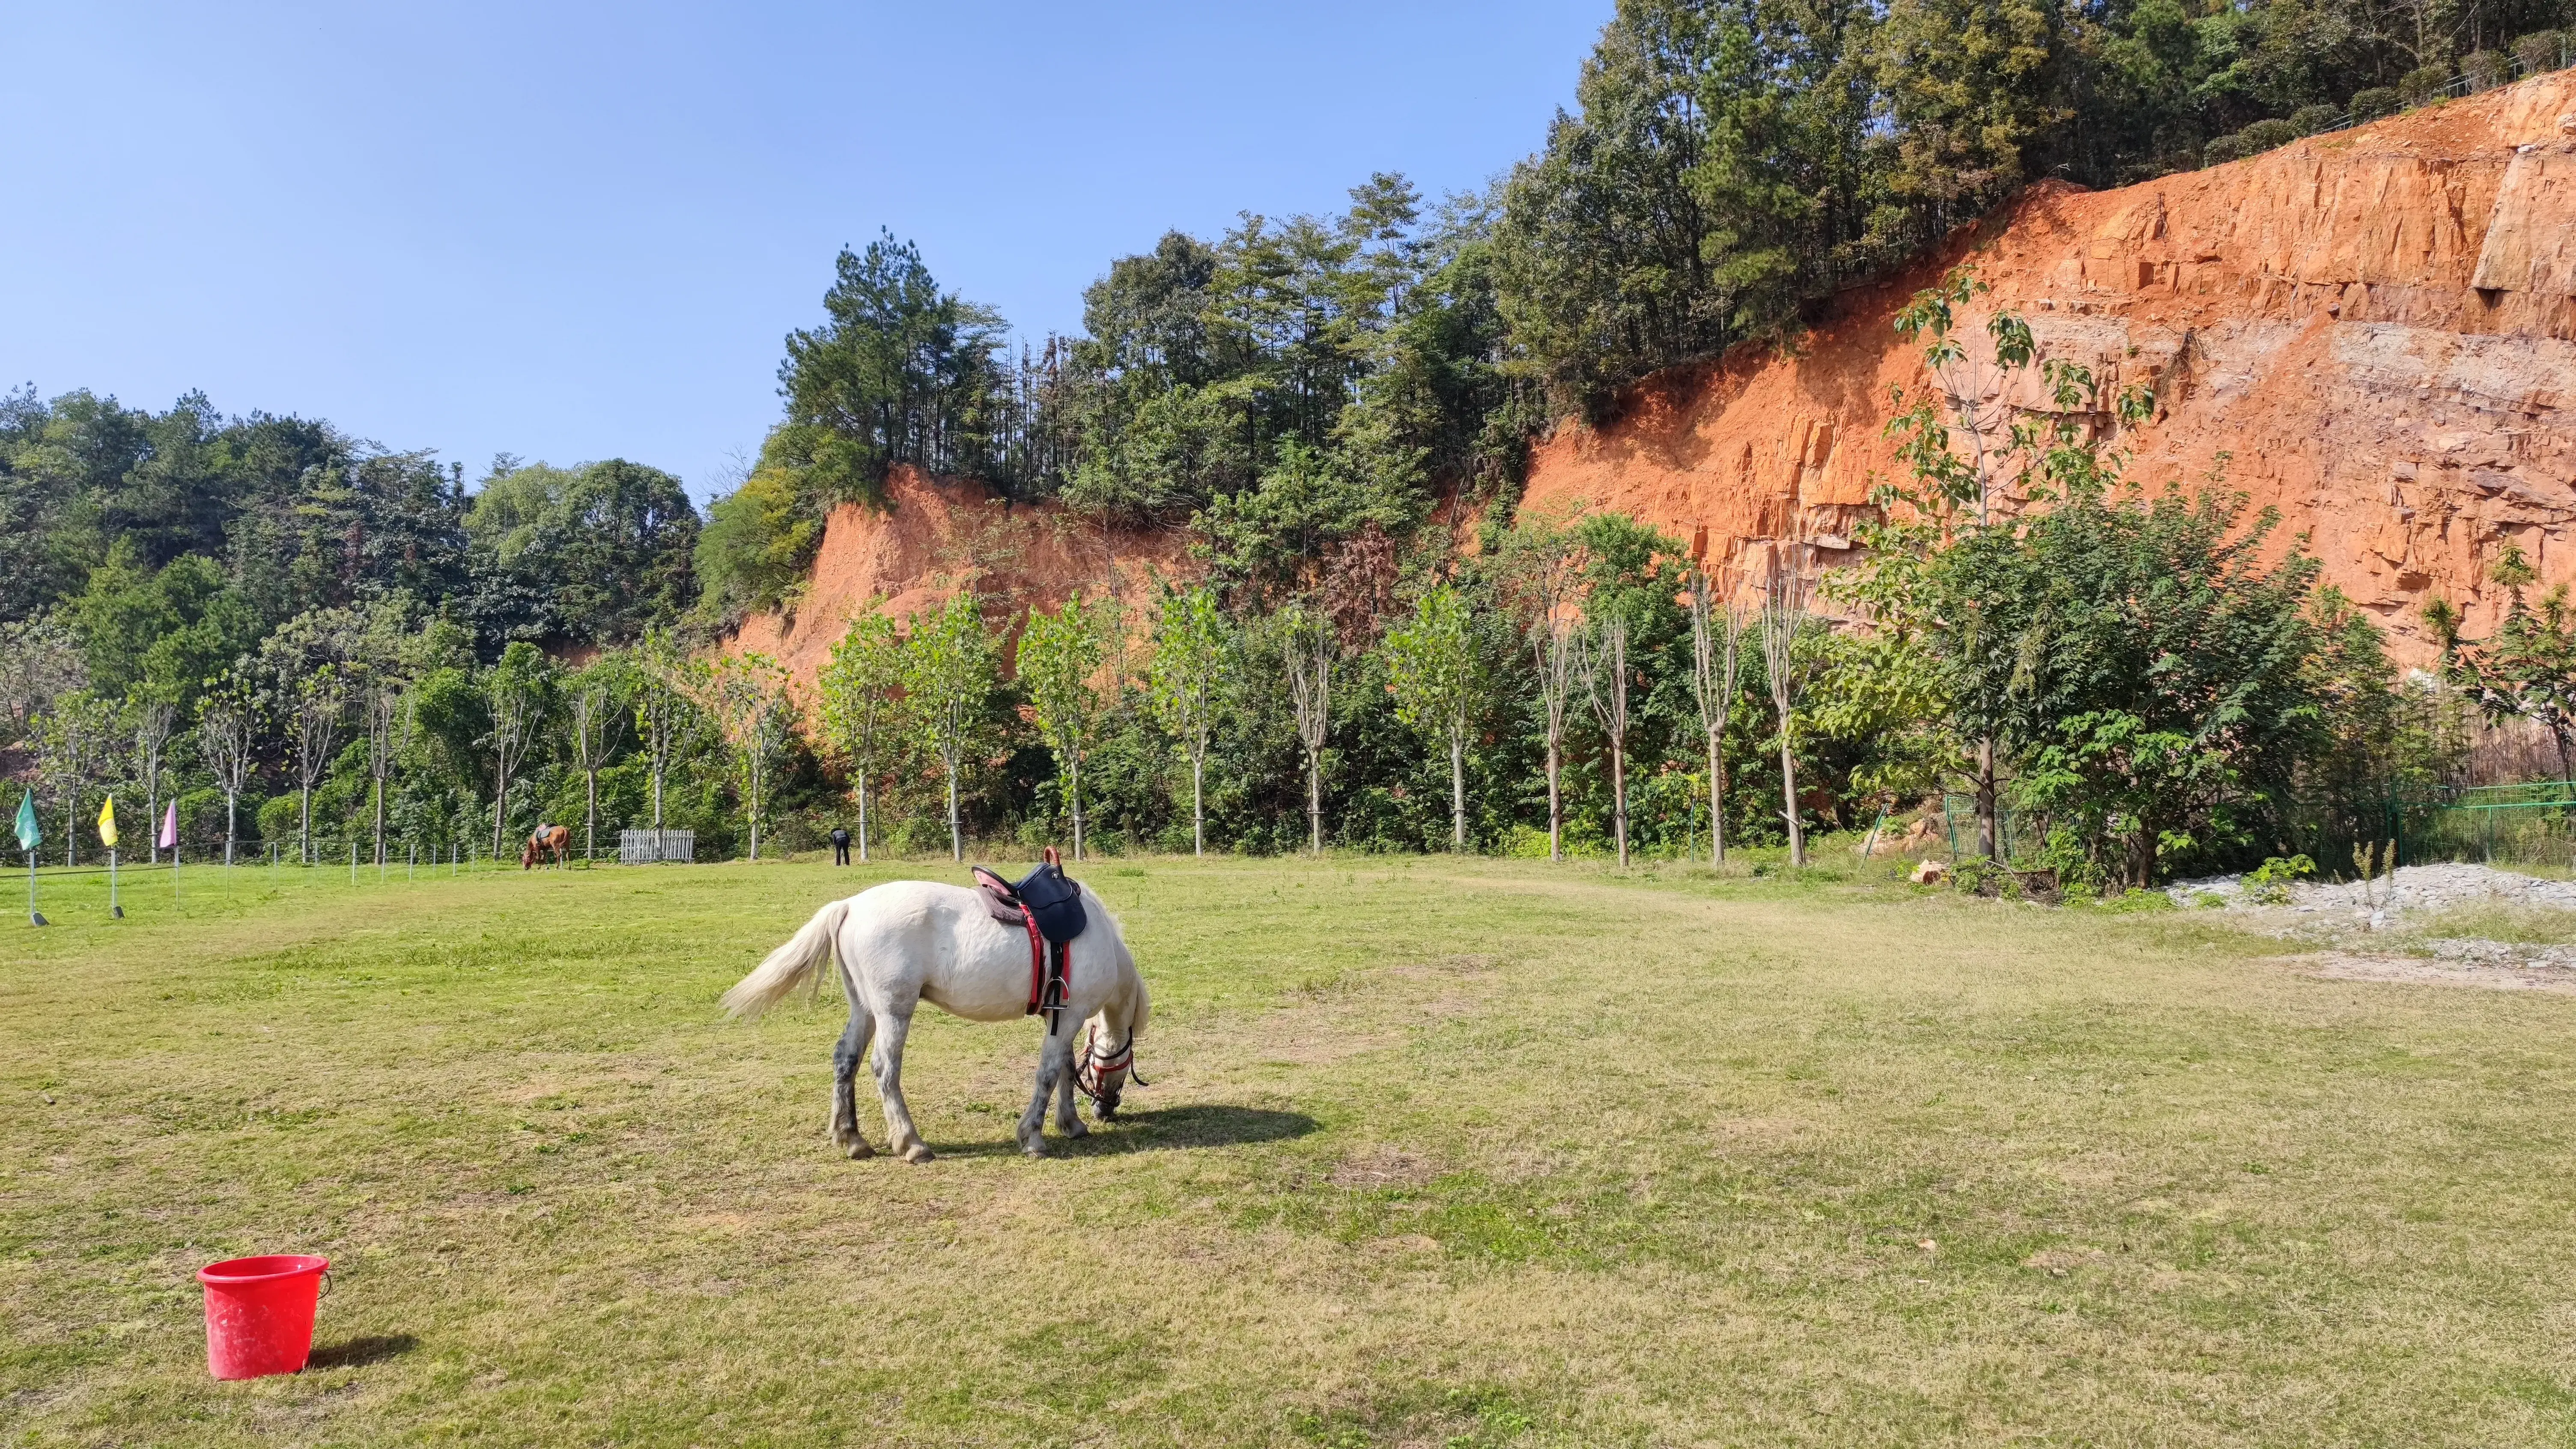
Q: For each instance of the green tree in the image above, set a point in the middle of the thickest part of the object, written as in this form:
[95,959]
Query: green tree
[518,695]
[2527,668]
[598,701]
[1431,667]
[595,554]
[862,697]
[900,372]
[1061,656]
[948,679]
[1193,663]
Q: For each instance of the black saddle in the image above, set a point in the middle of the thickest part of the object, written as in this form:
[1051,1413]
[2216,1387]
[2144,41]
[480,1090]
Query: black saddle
[1049,907]
[1045,897]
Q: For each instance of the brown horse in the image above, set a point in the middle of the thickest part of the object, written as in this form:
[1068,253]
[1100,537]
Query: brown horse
[553,839]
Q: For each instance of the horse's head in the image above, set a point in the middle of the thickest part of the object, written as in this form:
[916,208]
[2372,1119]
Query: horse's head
[1102,1074]
[1108,1060]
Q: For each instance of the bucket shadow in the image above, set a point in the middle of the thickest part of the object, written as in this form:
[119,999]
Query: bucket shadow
[359,1352]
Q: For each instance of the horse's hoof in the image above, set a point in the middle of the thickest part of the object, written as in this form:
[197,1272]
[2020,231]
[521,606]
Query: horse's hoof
[917,1152]
[859,1151]
[1075,1128]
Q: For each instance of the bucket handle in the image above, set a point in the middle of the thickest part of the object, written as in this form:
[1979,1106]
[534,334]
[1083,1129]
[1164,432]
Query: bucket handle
[326,1283]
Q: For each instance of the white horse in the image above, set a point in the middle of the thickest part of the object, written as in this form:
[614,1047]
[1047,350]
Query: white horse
[911,941]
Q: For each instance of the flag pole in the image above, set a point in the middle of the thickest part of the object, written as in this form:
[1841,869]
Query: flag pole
[30,835]
[114,911]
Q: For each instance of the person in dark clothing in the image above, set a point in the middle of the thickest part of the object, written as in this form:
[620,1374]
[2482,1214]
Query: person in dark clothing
[840,846]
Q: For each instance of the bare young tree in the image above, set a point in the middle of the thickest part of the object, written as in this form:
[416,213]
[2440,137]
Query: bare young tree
[662,712]
[1602,652]
[1783,622]
[1542,561]
[228,732]
[154,719]
[598,703]
[317,704]
[386,713]
[1308,644]
[1717,632]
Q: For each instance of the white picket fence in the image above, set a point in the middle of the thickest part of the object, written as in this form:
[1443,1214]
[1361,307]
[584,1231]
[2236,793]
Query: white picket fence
[651,847]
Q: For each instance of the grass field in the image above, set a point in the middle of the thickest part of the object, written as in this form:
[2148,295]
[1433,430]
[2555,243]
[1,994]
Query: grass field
[1442,1153]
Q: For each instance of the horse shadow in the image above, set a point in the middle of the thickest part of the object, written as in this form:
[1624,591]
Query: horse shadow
[1168,1129]
[359,1352]
[1180,1129]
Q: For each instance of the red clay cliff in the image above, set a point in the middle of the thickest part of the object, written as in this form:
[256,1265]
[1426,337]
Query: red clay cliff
[2376,327]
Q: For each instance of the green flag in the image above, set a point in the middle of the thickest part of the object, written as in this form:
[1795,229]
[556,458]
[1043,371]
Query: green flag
[29,834]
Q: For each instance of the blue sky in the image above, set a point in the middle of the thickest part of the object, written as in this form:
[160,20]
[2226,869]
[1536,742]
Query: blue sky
[581,231]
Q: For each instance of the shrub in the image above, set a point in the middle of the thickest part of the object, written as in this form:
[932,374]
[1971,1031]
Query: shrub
[1978,876]
[2423,84]
[2270,881]
[2541,50]
[2267,135]
[2309,120]
[2226,149]
[2486,70]
[2376,101]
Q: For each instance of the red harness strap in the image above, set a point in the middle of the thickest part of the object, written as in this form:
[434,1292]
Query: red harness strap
[1037,963]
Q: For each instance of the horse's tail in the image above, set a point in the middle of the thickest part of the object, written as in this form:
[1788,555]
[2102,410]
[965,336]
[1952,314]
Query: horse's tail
[777,975]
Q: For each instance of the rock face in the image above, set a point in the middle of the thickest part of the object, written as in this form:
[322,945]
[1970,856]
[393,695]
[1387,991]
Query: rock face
[934,538]
[2373,331]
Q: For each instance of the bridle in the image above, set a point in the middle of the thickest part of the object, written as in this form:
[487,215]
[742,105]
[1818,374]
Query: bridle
[1091,1071]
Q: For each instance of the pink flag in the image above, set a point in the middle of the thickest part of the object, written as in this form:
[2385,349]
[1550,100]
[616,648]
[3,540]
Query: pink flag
[170,828]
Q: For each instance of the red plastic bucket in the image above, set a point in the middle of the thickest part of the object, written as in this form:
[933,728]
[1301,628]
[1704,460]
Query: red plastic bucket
[259,1314]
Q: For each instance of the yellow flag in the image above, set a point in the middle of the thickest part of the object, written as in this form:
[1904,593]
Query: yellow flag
[107,823]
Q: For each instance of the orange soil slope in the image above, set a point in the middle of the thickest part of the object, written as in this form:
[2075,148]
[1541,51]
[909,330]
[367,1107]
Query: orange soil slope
[932,539]
[2377,327]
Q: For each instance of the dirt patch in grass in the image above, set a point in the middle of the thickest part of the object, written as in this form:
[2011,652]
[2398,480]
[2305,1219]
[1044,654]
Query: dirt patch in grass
[2500,975]
[1382,1166]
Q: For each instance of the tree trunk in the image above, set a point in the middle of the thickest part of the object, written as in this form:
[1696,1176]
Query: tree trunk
[304,827]
[1198,802]
[1077,808]
[380,821]
[590,809]
[1315,801]
[956,831]
[1716,802]
[755,809]
[863,817]
[152,813]
[1789,797]
[230,800]
[71,819]
[1457,791]
[1989,839]
[1619,797]
[657,796]
[500,810]
[1555,801]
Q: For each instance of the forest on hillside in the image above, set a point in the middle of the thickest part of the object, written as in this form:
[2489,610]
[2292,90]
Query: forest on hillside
[305,637]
